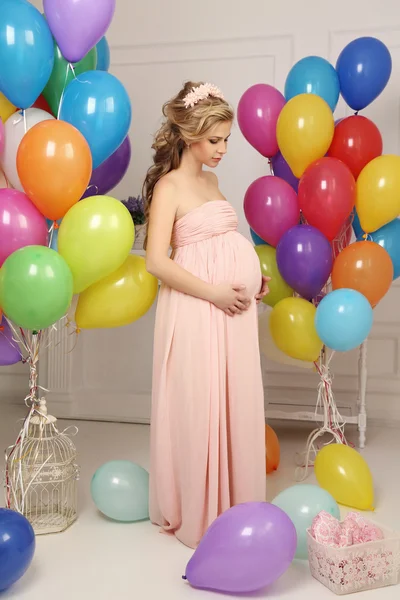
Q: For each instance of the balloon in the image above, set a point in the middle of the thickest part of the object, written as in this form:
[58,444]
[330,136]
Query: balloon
[110,172]
[388,237]
[10,353]
[258,112]
[378,192]
[272,448]
[35,287]
[42,103]
[278,288]
[344,473]
[15,128]
[54,165]
[364,67]
[21,224]
[302,503]
[246,548]
[26,52]
[95,238]
[17,543]
[63,74]
[356,142]
[327,194]
[103,55]
[358,230]
[281,169]
[78,25]
[271,208]
[119,299]
[344,319]
[6,108]
[293,329]
[365,267]
[313,75]
[304,131]
[256,239]
[304,258]
[120,490]
[53,235]
[2,134]
[270,349]
[98,105]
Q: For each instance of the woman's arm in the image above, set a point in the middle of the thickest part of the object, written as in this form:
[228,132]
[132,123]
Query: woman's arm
[162,217]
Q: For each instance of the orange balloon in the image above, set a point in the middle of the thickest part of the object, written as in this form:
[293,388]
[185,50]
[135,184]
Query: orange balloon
[365,267]
[54,165]
[272,449]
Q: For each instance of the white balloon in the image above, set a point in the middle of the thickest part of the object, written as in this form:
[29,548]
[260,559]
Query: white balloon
[269,348]
[15,128]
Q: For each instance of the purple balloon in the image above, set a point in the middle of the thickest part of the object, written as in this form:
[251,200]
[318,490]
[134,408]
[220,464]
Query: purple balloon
[110,172]
[10,353]
[78,25]
[247,548]
[281,169]
[304,258]
[271,208]
[21,224]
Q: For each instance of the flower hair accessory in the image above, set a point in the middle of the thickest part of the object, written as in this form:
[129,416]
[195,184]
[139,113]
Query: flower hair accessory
[202,92]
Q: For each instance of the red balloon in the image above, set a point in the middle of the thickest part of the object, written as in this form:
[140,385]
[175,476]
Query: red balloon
[327,193]
[356,142]
[41,103]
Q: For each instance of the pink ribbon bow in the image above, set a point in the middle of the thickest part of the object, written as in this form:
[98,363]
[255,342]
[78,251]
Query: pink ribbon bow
[355,529]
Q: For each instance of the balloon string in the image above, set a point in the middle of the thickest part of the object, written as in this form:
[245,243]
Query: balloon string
[25,123]
[64,86]
[271,168]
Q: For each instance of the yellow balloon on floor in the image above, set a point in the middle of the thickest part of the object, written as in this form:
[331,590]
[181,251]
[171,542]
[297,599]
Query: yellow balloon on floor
[293,329]
[304,131]
[6,108]
[278,288]
[378,192]
[119,299]
[343,472]
[95,237]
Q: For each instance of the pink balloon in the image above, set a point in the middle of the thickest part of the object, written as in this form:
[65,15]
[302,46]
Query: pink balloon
[271,208]
[258,113]
[2,139]
[21,224]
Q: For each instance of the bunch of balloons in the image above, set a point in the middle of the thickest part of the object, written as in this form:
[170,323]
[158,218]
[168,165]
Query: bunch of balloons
[325,174]
[64,122]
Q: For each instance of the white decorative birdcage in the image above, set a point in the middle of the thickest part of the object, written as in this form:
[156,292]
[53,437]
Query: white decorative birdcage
[42,474]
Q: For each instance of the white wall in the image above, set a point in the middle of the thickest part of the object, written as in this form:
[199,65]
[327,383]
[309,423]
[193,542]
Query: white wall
[155,47]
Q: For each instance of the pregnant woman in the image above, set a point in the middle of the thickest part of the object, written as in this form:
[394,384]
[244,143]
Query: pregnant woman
[207,427]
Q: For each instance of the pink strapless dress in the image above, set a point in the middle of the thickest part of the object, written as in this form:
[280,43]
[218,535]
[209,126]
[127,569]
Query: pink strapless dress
[208,426]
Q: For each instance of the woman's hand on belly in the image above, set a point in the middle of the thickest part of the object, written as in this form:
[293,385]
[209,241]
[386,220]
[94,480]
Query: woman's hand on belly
[232,299]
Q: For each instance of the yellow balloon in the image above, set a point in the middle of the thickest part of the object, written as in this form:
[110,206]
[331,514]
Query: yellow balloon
[278,288]
[269,348]
[119,299]
[304,131]
[378,192]
[6,108]
[293,329]
[343,473]
[95,237]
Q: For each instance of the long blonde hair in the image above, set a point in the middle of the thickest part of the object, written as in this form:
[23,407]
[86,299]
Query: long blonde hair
[182,126]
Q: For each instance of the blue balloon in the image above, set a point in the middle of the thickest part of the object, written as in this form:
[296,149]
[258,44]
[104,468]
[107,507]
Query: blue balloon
[98,105]
[388,237]
[17,547]
[53,234]
[256,239]
[313,75]
[358,230]
[26,52]
[344,319]
[103,55]
[364,67]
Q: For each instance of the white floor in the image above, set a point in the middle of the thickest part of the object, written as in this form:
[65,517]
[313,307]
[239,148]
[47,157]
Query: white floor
[97,559]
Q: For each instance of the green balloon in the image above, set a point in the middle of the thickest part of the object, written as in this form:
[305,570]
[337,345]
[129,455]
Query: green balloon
[36,287]
[278,288]
[120,490]
[62,75]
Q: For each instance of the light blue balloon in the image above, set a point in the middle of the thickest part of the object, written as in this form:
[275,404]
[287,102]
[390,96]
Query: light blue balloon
[302,503]
[120,490]
[358,230]
[256,239]
[98,105]
[344,319]
[313,75]
[388,237]
[54,234]
[26,52]
[103,55]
